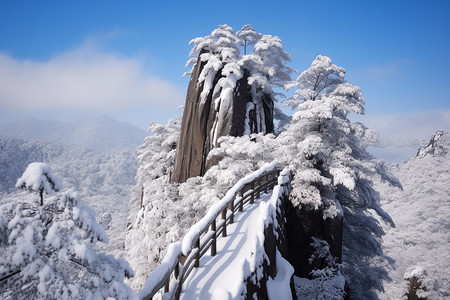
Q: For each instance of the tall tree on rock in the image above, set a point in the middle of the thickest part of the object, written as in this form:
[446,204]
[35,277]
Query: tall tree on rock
[333,171]
[248,36]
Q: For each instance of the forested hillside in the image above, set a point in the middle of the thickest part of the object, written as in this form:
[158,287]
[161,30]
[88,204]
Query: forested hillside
[419,242]
[102,172]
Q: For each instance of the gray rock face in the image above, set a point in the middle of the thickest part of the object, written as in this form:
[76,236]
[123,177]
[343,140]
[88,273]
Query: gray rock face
[205,120]
[303,224]
[189,157]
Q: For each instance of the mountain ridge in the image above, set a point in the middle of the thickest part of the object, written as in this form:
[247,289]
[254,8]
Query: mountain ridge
[97,133]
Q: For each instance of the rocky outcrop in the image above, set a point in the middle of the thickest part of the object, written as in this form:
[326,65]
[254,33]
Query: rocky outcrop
[436,146]
[301,225]
[189,157]
[206,119]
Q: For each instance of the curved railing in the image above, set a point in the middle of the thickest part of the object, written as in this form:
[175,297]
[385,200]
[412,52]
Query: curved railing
[183,257]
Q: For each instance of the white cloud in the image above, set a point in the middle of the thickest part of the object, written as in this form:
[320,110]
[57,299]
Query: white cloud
[402,134]
[83,79]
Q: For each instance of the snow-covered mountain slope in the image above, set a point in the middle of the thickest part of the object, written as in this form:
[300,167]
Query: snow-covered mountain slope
[93,156]
[421,212]
[97,133]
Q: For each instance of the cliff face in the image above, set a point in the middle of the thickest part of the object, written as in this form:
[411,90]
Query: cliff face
[206,119]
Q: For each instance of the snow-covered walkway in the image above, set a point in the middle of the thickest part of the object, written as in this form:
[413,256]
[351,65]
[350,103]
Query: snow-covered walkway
[221,276]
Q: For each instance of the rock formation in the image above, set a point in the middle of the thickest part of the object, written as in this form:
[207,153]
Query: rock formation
[206,119]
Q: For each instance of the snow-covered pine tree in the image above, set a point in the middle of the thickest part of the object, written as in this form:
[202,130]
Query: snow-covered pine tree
[47,250]
[333,171]
[39,179]
[266,68]
[248,37]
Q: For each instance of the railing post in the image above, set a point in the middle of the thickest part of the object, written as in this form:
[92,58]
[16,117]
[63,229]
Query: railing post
[252,196]
[232,211]
[241,200]
[258,193]
[166,286]
[197,255]
[176,271]
[214,242]
[224,218]
[266,184]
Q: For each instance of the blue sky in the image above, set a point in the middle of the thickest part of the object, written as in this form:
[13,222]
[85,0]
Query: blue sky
[65,59]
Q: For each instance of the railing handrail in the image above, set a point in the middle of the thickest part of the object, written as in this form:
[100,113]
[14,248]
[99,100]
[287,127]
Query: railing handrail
[180,256]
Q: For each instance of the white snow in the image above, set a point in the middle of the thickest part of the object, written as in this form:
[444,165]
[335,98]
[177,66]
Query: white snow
[38,176]
[195,231]
[279,288]
[241,253]
[173,251]
[227,270]
[420,239]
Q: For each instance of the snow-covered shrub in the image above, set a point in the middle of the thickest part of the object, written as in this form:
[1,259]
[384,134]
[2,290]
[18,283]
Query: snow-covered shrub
[418,284]
[47,250]
[16,155]
[327,280]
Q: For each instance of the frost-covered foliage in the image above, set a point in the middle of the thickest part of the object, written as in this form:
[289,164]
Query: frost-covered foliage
[16,155]
[104,180]
[38,178]
[248,37]
[264,69]
[170,209]
[420,240]
[318,80]
[333,171]
[155,213]
[47,250]
[327,280]
[164,210]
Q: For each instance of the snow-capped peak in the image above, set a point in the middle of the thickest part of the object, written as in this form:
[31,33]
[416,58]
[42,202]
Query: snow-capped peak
[438,146]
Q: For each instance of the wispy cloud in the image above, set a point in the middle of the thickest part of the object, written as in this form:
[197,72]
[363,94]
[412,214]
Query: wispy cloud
[85,78]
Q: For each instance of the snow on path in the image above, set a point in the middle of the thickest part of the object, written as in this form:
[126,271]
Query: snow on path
[221,274]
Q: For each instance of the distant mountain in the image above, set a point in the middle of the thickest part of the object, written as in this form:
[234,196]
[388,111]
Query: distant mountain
[420,239]
[97,133]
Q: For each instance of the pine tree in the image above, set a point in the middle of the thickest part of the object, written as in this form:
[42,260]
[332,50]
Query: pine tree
[47,248]
[333,171]
[38,178]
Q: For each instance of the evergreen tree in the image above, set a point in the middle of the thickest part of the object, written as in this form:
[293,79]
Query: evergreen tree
[47,248]
[333,171]
[38,178]
[248,37]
